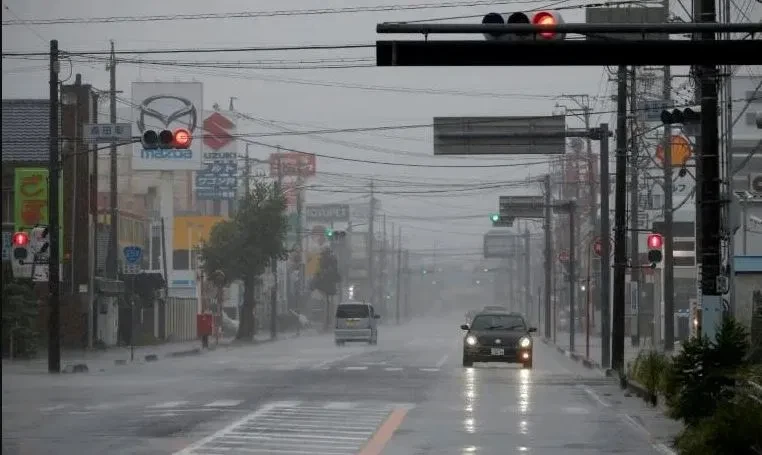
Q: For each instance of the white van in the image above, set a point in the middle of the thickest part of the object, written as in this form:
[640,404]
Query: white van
[356,321]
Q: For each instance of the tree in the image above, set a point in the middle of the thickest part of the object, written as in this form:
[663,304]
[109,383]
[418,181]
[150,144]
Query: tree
[242,248]
[327,280]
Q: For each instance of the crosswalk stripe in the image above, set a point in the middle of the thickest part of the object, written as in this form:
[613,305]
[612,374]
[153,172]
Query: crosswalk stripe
[223,403]
[314,428]
[355,368]
[429,369]
[393,369]
[168,405]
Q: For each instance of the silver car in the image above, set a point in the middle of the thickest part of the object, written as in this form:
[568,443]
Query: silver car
[356,321]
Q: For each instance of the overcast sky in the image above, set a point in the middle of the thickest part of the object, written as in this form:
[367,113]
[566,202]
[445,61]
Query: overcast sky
[327,98]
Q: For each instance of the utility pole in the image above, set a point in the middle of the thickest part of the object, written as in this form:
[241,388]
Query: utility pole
[527,273]
[113,255]
[54,290]
[399,272]
[548,255]
[669,271]
[300,237]
[382,269]
[634,212]
[406,275]
[572,274]
[274,266]
[605,250]
[371,247]
[708,174]
[620,228]
[246,170]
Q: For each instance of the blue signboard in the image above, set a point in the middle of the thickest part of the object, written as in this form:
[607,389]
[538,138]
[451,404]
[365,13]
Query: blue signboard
[219,178]
[7,235]
[132,254]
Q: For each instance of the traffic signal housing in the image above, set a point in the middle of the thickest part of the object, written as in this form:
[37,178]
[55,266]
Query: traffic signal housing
[655,243]
[539,18]
[501,221]
[21,263]
[687,116]
[180,138]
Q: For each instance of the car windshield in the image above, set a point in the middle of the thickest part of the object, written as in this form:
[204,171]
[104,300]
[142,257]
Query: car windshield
[495,308]
[498,322]
[352,311]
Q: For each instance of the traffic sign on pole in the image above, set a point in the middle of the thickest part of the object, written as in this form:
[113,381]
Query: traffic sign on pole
[132,256]
[108,132]
[563,256]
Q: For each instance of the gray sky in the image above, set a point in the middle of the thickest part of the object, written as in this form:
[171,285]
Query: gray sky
[324,98]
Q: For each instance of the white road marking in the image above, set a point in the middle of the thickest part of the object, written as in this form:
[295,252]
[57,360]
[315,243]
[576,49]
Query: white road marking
[330,361]
[393,369]
[54,408]
[340,405]
[595,396]
[101,406]
[168,405]
[429,369]
[442,360]
[223,403]
[355,368]
[320,428]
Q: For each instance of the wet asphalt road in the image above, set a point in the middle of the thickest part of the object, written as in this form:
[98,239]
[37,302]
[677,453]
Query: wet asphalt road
[407,396]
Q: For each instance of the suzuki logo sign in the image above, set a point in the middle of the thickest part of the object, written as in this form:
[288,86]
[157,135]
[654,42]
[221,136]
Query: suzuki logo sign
[216,133]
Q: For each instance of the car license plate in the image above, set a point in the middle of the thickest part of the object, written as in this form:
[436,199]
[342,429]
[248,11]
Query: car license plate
[498,351]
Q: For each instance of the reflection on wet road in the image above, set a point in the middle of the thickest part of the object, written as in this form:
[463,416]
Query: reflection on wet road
[409,395]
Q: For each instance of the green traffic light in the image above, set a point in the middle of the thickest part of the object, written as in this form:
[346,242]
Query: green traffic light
[494,217]
[329,233]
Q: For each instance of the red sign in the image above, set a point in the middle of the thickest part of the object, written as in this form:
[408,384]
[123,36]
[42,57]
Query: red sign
[216,128]
[291,193]
[292,164]
[598,247]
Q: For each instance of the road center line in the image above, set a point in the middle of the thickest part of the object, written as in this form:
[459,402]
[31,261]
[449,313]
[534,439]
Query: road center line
[385,432]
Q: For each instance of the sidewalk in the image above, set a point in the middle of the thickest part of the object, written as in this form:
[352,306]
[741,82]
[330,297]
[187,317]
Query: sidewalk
[580,345]
[98,360]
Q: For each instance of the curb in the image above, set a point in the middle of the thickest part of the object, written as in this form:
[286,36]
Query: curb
[584,361]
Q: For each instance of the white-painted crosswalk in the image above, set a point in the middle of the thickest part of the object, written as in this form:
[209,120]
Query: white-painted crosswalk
[296,428]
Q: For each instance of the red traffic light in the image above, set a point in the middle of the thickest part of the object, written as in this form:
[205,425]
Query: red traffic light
[20,239]
[655,241]
[547,19]
[183,138]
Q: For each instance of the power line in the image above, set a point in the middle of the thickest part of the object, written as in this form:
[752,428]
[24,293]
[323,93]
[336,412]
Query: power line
[259,14]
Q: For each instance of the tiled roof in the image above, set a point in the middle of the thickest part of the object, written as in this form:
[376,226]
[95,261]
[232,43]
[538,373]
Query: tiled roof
[25,127]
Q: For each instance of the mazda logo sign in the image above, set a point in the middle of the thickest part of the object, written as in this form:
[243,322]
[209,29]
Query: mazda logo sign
[187,111]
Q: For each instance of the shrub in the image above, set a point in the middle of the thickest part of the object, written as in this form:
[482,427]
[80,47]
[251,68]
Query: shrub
[705,372]
[733,429]
[649,370]
[19,317]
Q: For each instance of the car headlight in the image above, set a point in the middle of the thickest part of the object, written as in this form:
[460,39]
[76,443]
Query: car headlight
[525,342]
[471,340]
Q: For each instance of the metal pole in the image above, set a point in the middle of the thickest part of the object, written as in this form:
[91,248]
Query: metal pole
[371,293]
[527,272]
[113,254]
[605,249]
[548,255]
[634,250]
[572,274]
[620,228]
[669,271]
[406,273]
[588,305]
[54,302]
[745,224]
[274,267]
[399,272]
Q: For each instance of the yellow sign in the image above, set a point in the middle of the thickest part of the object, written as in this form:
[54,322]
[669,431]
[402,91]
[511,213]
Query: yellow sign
[191,231]
[680,148]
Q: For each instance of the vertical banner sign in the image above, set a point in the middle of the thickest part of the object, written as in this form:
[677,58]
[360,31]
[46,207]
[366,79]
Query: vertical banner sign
[31,200]
[218,179]
[162,106]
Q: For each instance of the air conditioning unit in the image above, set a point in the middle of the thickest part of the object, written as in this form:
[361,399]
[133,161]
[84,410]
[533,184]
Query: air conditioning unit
[755,184]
